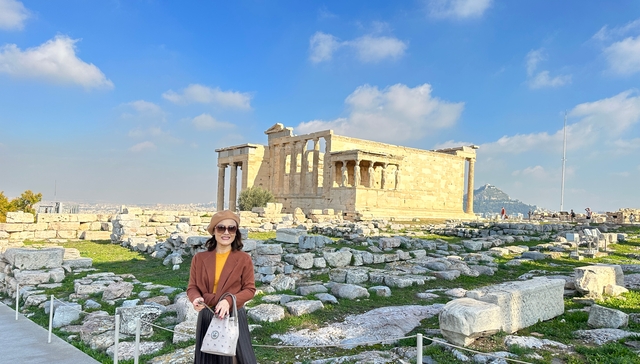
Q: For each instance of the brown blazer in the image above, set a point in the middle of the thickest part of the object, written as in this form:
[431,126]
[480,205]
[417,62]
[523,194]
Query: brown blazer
[236,278]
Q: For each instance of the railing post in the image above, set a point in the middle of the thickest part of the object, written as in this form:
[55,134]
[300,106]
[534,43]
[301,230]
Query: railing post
[50,319]
[116,339]
[419,347]
[136,348]
[17,299]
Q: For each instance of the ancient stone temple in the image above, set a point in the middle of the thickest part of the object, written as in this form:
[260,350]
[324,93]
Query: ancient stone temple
[363,179]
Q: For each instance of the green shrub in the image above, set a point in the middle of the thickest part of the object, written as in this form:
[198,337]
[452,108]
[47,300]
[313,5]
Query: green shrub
[254,197]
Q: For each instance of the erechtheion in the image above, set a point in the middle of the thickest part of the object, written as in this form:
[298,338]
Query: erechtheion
[362,179]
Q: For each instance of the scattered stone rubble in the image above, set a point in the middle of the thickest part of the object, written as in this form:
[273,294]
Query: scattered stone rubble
[371,255]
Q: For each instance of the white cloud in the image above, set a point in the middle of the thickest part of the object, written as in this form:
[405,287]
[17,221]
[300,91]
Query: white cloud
[397,113]
[142,147]
[322,46]
[535,172]
[54,61]
[533,58]
[144,111]
[543,79]
[152,131]
[195,93]
[601,121]
[374,49]
[626,146]
[621,174]
[324,13]
[12,15]
[459,9]
[624,56]
[145,106]
[369,48]
[605,33]
[208,122]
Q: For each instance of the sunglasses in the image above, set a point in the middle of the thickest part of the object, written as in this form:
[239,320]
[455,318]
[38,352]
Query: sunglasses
[231,229]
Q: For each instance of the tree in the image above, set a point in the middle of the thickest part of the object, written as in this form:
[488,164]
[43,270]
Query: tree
[254,197]
[23,203]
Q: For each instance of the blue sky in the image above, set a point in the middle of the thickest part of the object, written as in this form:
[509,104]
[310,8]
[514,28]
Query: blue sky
[126,101]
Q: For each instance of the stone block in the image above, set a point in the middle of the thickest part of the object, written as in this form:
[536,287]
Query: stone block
[71,225]
[463,320]
[20,217]
[603,317]
[12,227]
[592,279]
[87,217]
[26,258]
[44,235]
[524,303]
[291,236]
[95,235]
[67,234]
[32,277]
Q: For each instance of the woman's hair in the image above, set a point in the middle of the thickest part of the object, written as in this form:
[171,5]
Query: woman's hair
[236,244]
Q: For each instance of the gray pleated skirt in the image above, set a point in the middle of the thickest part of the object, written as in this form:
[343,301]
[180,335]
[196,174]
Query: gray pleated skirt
[244,350]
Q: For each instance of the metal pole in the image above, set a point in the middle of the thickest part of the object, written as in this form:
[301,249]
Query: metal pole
[50,319]
[136,348]
[17,299]
[116,339]
[564,160]
[419,347]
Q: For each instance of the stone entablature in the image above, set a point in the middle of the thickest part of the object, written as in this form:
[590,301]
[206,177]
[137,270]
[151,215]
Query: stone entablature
[362,178]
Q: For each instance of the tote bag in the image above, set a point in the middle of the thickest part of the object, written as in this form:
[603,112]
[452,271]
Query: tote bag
[222,334]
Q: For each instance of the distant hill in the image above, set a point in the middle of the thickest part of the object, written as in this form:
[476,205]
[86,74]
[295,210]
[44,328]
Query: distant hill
[490,199]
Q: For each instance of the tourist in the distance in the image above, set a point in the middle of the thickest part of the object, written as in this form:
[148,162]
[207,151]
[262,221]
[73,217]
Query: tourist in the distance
[573,215]
[503,213]
[632,218]
[223,268]
[588,210]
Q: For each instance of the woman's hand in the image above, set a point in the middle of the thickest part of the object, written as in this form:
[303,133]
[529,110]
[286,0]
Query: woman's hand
[222,308]
[198,304]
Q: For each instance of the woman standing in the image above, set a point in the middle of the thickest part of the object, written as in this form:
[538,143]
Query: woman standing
[223,268]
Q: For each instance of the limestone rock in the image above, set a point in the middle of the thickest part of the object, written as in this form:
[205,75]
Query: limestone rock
[327,298]
[66,314]
[593,278]
[126,349]
[298,308]
[603,317]
[340,258]
[464,320]
[291,236]
[283,283]
[129,315]
[266,312]
[25,258]
[349,291]
[117,290]
[307,290]
[380,291]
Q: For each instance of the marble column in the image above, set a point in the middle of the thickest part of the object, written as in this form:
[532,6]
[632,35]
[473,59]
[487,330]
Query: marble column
[329,168]
[304,166]
[293,168]
[220,203]
[372,179]
[356,174]
[470,176]
[274,164]
[233,186]
[383,176]
[282,168]
[316,165]
[397,177]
